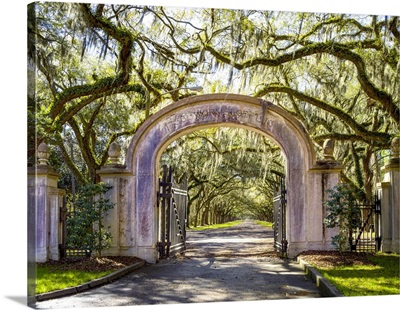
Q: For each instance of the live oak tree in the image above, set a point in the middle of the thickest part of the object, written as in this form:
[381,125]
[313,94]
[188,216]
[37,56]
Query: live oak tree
[336,73]
[232,174]
[92,70]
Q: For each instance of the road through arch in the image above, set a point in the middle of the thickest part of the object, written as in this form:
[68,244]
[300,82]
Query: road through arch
[135,183]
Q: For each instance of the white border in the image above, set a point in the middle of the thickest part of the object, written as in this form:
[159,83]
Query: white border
[13,140]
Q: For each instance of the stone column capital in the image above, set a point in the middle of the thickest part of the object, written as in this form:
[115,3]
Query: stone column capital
[113,170]
[326,166]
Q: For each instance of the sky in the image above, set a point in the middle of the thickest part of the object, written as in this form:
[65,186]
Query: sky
[13,138]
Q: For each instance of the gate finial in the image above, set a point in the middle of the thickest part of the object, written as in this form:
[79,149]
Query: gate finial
[43,154]
[114,152]
[395,148]
[328,149]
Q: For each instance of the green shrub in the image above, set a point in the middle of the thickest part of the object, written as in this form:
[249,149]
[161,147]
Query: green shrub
[85,229]
[343,213]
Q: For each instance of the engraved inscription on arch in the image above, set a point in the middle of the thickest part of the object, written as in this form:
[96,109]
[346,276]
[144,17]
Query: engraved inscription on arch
[212,114]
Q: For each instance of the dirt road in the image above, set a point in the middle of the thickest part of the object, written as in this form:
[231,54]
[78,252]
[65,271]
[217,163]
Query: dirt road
[231,264]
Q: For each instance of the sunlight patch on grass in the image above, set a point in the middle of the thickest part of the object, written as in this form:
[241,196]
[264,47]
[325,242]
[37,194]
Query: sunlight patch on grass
[216,226]
[48,279]
[263,223]
[380,279]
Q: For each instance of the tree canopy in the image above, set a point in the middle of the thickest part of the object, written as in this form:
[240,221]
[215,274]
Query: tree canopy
[232,174]
[98,71]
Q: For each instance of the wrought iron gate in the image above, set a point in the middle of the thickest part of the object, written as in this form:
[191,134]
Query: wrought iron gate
[367,237]
[280,242]
[172,204]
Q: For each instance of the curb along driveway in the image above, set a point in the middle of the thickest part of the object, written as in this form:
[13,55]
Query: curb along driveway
[231,264]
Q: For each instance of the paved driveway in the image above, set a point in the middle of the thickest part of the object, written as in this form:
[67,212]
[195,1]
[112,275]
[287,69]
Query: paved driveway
[232,264]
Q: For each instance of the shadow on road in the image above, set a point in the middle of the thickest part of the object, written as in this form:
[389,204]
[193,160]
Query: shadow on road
[231,264]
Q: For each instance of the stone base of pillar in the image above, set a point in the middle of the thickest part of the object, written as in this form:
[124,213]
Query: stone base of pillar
[149,254]
[386,246]
[396,246]
[41,255]
[54,253]
[120,251]
[113,251]
[295,248]
[128,251]
[391,246]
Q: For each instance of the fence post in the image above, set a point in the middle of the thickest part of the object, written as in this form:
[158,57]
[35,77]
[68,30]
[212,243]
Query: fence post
[44,202]
[390,201]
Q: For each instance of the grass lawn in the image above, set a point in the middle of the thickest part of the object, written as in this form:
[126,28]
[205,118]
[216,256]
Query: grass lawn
[56,275]
[224,225]
[48,279]
[263,223]
[380,278]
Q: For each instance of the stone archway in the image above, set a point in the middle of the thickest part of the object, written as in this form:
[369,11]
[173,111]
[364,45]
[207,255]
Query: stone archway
[134,220]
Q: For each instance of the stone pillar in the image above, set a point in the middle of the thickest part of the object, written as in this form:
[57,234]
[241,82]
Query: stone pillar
[44,203]
[386,227]
[390,201]
[120,219]
[322,177]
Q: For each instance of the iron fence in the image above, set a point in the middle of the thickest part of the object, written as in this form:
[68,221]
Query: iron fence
[367,237]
